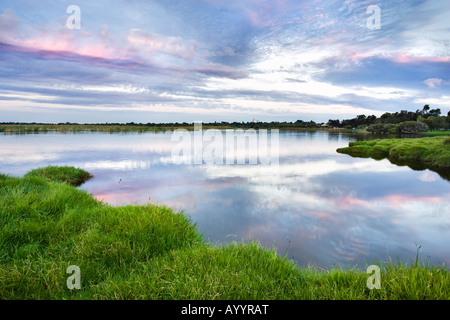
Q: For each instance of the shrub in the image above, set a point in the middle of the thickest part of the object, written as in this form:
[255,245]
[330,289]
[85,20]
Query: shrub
[381,128]
[376,128]
[411,127]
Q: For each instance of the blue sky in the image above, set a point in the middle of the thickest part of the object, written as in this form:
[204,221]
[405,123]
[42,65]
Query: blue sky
[214,60]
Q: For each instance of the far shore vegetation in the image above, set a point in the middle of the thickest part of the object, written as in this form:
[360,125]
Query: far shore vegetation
[139,252]
[426,121]
[429,150]
[422,153]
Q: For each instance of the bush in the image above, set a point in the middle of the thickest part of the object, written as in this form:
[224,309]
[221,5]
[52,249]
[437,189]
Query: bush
[381,128]
[411,127]
[376,128]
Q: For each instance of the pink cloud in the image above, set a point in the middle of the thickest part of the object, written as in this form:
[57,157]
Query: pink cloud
[133,49]
[399,200]
[62,40]
[350,201]
[58,39]
[405,58]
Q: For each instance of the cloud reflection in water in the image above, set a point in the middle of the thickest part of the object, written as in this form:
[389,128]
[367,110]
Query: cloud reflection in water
[320,207]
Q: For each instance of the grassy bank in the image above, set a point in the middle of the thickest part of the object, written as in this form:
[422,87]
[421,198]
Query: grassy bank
[433,133]
[420,153]
[152,252]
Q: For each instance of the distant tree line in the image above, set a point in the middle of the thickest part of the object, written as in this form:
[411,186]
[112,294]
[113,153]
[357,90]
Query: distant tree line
[242,125]
[398,122]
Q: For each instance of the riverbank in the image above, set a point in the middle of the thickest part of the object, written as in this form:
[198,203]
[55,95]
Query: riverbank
[419,153]
[152,252]
[433,133]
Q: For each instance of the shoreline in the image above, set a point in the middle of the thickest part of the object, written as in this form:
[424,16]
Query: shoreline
[421,153]
[29,128]
[44,128]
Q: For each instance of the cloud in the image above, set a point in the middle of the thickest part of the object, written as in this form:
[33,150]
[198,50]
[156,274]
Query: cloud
[154,43]
[441,101]
[433,83]
[220,71]
[295,80]
[8,21]
[266,59]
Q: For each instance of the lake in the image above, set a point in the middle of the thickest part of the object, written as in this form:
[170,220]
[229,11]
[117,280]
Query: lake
[317,206]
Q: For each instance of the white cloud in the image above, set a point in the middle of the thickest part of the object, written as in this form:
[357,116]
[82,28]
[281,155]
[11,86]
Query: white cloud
[155,43]
[117,165]
[442,101]
[297,60]
[127,89]
[428,176]
[433,83]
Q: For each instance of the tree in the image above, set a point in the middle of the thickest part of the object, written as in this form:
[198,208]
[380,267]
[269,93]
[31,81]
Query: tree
[334,123]
[428,121]
[371,119]
[435,112]
[361,118]
[440,123]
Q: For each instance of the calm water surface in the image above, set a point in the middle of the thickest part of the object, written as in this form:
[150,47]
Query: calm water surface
[320,207]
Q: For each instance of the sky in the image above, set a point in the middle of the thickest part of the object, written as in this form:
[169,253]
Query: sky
[215,60]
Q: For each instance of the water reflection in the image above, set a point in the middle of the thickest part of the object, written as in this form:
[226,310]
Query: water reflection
[318,206]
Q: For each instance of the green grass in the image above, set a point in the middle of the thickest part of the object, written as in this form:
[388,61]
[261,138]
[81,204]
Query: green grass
[152,252]
[70,175]
[436,133]
[419,153]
